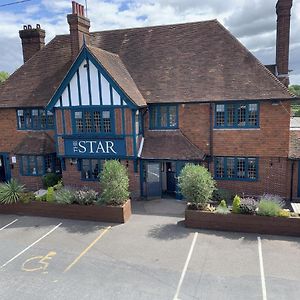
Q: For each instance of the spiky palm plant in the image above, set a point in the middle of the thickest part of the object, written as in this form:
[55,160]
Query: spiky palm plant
[10,192]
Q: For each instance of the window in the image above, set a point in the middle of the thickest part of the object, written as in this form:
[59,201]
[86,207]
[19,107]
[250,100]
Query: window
[163,117]
[236,168]
[37,165]
[93,121]
[90,169]
[35,119]
[236,115]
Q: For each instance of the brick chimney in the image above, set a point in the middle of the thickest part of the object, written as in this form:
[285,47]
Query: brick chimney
[79,28]
[283,11]
[33,40]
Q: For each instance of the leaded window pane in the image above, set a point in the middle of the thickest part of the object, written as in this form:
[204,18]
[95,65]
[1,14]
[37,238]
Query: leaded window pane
[28,123]
[21,118]
[253,115]
[241,168]
[32,166]
[97,121]
[230,167]
[79,121]
[85,169]
[220,167]
[172,116]
[153,116]
[50,119]
[40,165]
[88,122]
[220,114]
[43,119]
[35,118]
[252,168]
[163,116]
[230,114]
[242,115]
[49,163]
[95,169]
[106,121]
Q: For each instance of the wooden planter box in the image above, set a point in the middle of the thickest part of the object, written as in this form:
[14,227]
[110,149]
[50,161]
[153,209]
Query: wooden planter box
[242,223]
[101,213]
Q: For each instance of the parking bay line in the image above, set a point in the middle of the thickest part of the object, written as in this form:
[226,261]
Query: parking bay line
[262,272]
[185,266]
[75,261]
[8,224]
[27,248]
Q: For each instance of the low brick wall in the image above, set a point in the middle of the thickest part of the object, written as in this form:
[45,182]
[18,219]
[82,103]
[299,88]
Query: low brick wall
[242,223]
[114,214]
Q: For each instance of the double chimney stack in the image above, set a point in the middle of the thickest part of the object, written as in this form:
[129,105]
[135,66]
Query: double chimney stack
[33,39]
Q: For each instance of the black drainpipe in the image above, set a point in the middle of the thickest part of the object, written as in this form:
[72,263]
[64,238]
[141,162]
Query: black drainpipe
[292,180]
[211,138]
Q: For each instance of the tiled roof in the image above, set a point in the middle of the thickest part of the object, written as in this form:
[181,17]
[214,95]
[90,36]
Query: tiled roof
[189,62]
[170,144]
[36,143]
[115,67]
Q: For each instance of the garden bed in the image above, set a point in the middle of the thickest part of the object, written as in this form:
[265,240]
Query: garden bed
[101,213]
[242,223]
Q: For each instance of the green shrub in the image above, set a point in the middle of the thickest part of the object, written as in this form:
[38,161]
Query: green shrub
[41,198]
[114,183]
[50,197]
[58,186]
[10,192]
[222,208]
[64,196]
[284,213]
[268,208]
[85,196]
[222,194]
[27,197]
[236,204]
[50,179]
[196,185]
[248,206]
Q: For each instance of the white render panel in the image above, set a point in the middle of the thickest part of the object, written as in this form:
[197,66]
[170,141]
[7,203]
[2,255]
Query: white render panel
[74,91]
[83,77]
[65,97]
[116,97]
[94,84]
[105,91]
[57,103]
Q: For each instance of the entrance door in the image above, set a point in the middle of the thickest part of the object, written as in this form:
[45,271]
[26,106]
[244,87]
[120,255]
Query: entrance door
[171,177]
[2,169]
[153,180]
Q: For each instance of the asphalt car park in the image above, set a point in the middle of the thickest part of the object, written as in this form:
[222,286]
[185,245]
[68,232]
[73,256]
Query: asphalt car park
[151,257]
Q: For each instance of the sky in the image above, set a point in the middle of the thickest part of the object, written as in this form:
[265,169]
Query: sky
[252,22]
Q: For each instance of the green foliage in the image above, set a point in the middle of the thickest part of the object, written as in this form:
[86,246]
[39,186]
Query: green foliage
[50,179]
[248,206]
[222,208]
[10,192]
[50,197]
[219,194]
[236,204]
[27,197]
[64,196]
[58,186]
[295,89]
[270,208]
[284,213]
[41,198]
[114,183]
[85,196]
[3,76]
[196,185]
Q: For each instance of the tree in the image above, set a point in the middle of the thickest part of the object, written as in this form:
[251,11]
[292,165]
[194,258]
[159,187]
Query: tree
[295,89]
[3,76]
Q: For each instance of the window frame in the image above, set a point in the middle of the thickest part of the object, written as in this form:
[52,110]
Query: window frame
[157,121]
[100,163]
[27,172]
[235,165]
[235,124]
[92,111]
[29,112]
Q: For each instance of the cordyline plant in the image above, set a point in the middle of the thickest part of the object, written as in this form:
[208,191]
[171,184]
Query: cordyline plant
[196,185]
[114,183]
[10,192]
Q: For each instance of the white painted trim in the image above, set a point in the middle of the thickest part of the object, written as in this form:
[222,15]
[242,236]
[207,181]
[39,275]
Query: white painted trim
[141,147]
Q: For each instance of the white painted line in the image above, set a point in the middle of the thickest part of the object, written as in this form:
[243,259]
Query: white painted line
[8,224]
[185,266]
[262,272]
[20,253]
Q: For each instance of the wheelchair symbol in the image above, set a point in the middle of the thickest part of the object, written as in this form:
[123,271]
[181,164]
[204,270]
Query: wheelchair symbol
[38,263]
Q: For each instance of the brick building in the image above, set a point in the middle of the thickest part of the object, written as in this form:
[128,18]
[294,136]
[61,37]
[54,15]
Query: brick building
[155,98]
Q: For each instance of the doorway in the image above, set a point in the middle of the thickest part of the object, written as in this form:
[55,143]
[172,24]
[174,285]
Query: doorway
[153,179]
[2,168]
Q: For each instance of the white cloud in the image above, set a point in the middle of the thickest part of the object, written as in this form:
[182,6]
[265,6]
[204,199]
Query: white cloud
[253,22]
